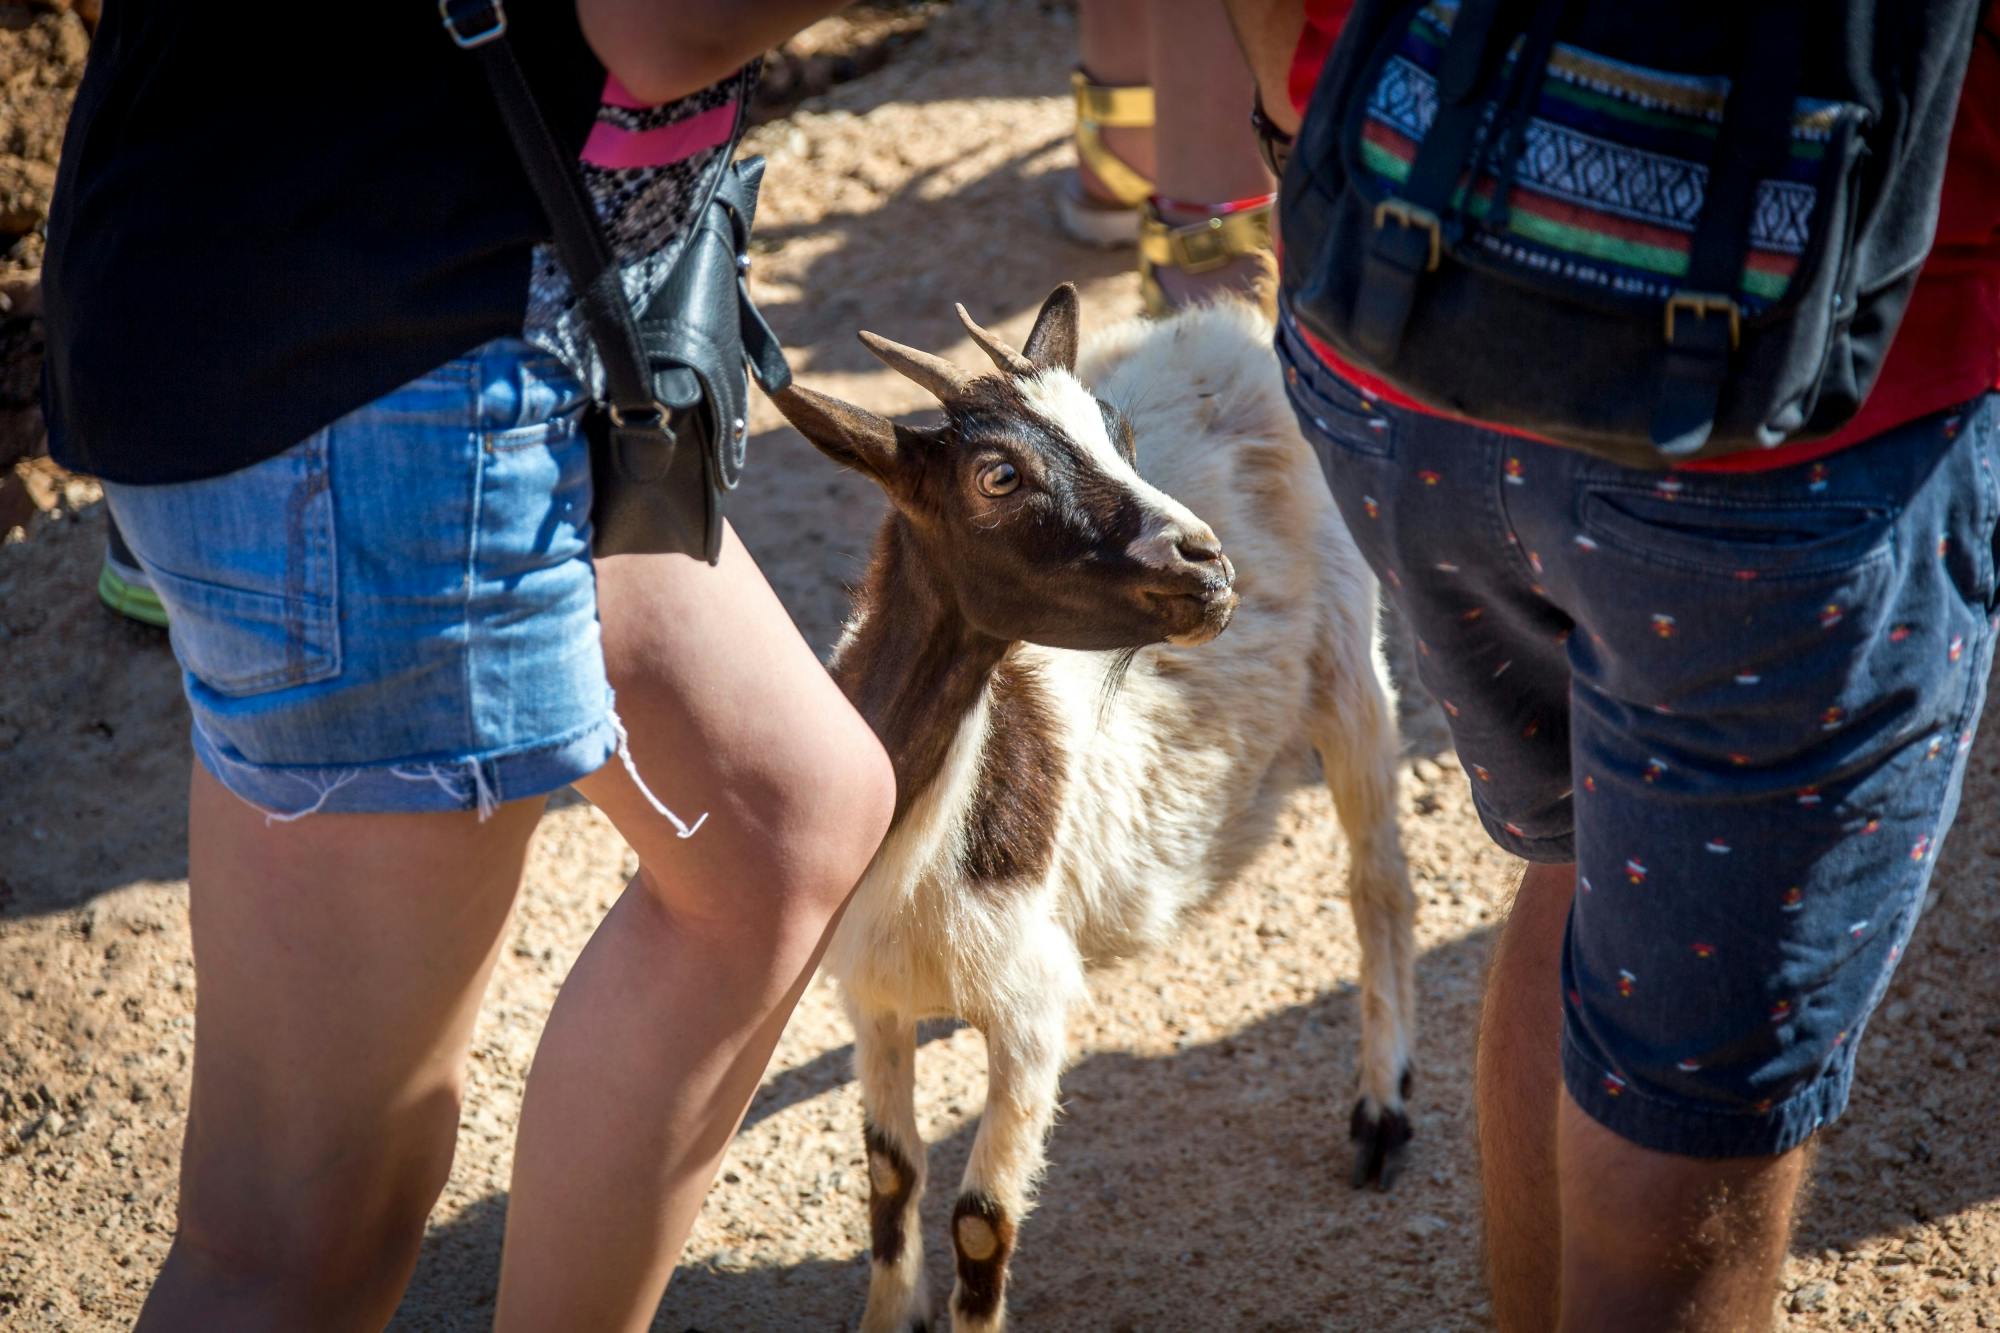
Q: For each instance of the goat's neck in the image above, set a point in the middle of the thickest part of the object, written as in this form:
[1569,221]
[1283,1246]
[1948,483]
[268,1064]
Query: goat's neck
[914,668]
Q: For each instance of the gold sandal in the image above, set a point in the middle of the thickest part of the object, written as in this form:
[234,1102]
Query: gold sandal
[1100,107]
[1236,229]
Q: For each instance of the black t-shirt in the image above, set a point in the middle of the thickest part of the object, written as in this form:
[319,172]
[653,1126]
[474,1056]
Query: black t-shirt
[267,216]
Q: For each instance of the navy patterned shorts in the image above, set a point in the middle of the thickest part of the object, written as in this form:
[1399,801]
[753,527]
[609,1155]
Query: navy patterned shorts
[1741,703]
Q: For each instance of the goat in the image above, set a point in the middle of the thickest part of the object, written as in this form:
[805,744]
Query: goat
[1075,762]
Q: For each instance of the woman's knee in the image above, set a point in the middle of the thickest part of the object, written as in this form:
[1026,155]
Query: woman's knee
[339,1227]
[802,828]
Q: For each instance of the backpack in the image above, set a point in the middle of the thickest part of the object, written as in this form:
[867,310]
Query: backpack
[1652,231]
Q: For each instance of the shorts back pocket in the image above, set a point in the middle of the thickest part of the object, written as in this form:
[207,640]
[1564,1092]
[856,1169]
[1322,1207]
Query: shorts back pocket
[244,564]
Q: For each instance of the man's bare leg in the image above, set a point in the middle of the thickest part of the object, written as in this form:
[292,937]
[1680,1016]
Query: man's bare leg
[1585,1230]
[1519,1077]
[341,960]
[666,1022]
[1651,1241]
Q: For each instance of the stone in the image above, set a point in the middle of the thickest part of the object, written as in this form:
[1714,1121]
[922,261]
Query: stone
[1423,1226]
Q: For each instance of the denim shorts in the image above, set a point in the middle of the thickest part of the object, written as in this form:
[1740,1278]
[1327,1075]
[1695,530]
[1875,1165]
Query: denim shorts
[1741,703]
[399,612]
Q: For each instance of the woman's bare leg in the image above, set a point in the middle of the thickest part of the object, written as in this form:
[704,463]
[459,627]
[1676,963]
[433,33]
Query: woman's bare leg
[1206,149]
[669,1016]
[1113,47]
[340,959]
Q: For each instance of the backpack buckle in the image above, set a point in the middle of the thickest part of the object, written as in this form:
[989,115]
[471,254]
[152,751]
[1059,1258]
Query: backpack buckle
[1703,304]
[1416,218]
[470,13]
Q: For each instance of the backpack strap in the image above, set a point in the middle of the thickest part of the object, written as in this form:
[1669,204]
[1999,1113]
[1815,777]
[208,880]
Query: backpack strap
[1408,239]
[1703,321]
[480,26]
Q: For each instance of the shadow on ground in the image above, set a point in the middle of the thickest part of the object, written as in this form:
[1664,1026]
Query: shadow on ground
[1930,1070]
[1280,1145]
[93,732]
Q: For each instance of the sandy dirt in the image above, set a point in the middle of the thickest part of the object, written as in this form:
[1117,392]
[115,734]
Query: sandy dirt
[1197,1174]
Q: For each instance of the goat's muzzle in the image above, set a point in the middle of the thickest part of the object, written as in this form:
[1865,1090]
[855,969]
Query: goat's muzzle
[1192,584]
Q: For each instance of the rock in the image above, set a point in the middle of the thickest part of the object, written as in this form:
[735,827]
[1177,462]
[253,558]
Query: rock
[1811,1298]
[1902,1314]
[1916,1251]
[1423,1226]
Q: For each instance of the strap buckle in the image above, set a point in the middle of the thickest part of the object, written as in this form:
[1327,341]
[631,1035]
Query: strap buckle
[1415,217]
[1199,247]
[653,415]
[1703,304]
[461,19]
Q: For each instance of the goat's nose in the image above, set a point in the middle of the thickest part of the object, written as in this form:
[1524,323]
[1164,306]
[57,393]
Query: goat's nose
[1185,546]
[1199,548]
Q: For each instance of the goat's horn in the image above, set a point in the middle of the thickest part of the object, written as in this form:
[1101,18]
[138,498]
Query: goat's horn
[940,376]
[1004,357]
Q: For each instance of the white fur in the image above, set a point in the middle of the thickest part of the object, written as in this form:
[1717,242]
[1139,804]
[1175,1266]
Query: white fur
[1171,784]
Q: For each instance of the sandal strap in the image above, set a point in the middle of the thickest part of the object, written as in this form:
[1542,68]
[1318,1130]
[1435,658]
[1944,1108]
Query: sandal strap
[1129,107]
[1099,107]
[1196,247]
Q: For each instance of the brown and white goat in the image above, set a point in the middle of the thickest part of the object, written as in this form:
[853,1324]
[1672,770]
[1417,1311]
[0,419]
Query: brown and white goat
[1076,762]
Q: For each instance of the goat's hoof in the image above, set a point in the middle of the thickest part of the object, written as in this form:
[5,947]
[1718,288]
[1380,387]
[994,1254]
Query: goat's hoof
[1381,1138]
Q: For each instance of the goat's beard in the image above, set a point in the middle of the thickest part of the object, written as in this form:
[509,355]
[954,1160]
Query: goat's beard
[1114,680]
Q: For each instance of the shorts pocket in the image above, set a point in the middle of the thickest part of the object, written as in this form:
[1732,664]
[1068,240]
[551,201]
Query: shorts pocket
[1751,538]
[1338,412]
[549,434]
[1328,405]
[245,565]
[239,642]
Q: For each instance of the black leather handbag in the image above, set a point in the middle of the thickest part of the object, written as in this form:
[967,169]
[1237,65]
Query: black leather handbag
[668,438]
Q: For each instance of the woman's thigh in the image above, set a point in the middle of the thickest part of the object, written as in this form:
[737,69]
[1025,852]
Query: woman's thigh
[341,960]
[732,717]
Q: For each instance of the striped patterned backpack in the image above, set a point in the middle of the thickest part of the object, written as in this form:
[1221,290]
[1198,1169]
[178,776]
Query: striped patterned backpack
[1653,231]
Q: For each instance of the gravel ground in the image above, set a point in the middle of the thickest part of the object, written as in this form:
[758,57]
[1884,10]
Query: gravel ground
[1196,1178]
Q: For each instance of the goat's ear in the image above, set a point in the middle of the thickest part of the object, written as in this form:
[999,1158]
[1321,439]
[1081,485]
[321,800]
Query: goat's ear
[1052,343]
[849,435]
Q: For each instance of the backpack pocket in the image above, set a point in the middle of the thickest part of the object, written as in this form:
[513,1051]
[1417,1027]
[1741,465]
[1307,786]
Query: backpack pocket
[1548,289]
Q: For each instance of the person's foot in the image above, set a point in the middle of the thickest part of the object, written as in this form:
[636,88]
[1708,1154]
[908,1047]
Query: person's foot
[123,586]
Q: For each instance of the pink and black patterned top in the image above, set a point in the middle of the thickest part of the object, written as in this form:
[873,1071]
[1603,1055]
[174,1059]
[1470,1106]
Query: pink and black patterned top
[647,169]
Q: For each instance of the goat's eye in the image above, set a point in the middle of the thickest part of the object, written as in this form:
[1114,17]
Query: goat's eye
[999,479]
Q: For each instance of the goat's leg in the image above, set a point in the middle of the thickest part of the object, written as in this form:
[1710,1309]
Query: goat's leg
[1024,1054]
[1354,730]
[885,1052]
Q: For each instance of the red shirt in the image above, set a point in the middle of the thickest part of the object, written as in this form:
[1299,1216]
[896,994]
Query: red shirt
[1948,346]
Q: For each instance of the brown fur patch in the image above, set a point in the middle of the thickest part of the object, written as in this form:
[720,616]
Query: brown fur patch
[1011,827]
[915,668]
[885,1208]
[980,1281]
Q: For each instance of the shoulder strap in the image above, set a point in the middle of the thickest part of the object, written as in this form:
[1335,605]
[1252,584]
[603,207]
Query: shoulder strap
[480,26]
[1703,320]
[1408,238]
